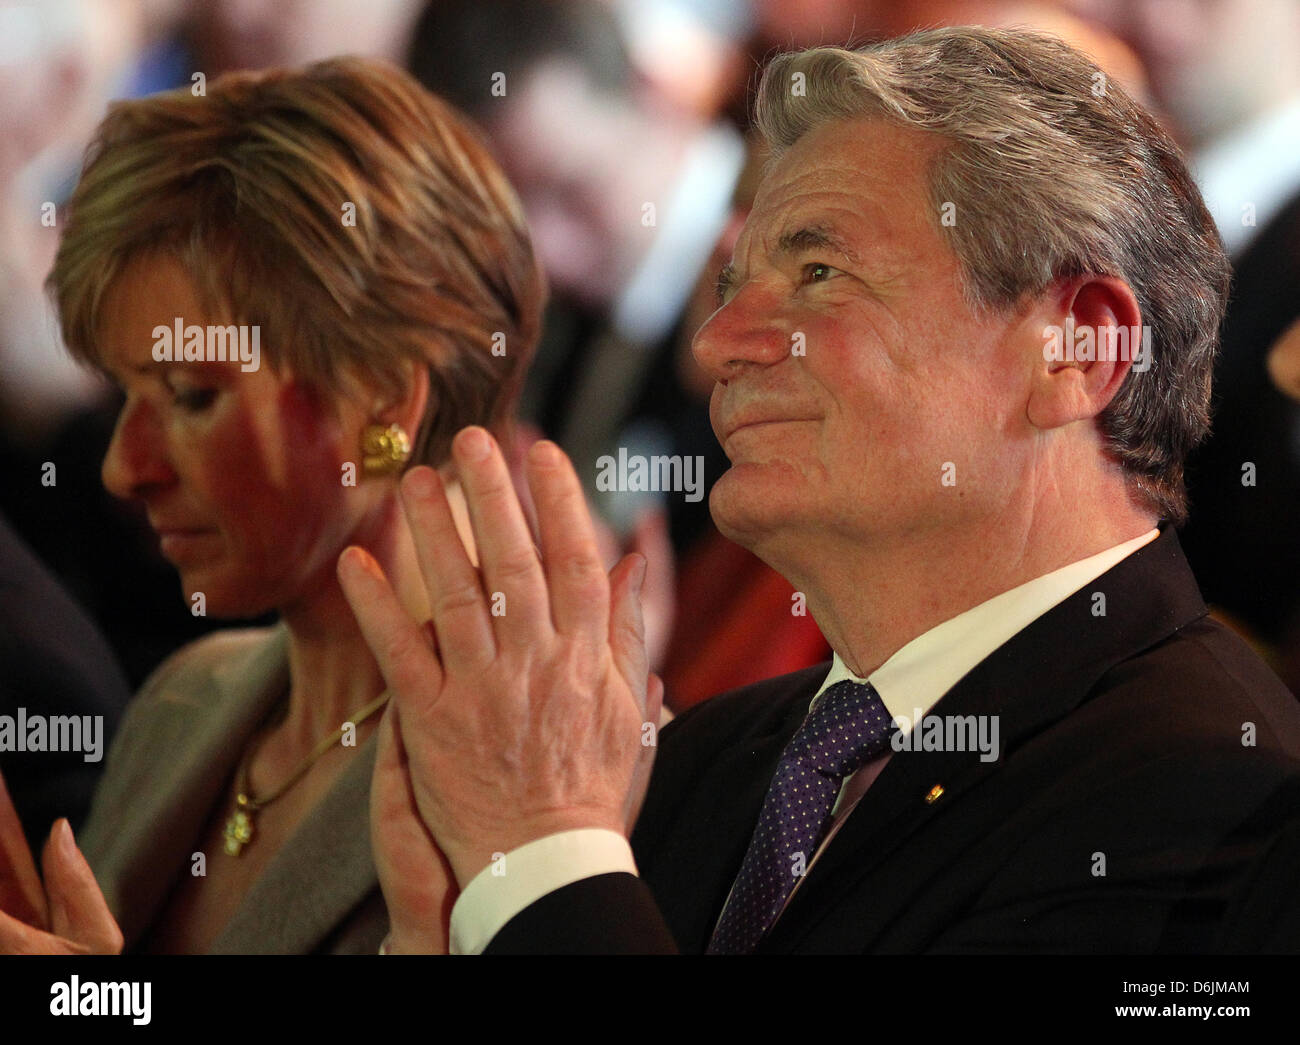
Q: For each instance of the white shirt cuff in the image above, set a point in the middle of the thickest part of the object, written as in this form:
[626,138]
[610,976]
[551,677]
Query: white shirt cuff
[524,875]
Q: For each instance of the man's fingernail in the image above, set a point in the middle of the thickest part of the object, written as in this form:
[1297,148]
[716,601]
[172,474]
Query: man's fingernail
[421,482]
[638,576]
[475,444]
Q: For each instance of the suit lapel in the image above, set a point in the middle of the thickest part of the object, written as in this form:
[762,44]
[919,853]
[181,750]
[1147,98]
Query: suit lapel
[1036,678]
[148,819]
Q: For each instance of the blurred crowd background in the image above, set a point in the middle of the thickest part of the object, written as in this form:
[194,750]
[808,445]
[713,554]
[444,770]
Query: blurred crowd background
[624,126]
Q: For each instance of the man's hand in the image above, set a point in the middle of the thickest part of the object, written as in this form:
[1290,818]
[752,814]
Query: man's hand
[526,716]
[66,916]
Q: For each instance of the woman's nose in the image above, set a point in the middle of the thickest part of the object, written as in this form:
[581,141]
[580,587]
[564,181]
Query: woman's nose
[136,459]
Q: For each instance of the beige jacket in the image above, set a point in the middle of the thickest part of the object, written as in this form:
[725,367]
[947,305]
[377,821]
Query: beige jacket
[170,763]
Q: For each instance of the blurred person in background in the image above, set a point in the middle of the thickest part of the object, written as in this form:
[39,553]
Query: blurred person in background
[60,63]
[1113,56]
[691,53]
[1225,73]
[258,34]
[359,225]
[1284,362]
[626,191]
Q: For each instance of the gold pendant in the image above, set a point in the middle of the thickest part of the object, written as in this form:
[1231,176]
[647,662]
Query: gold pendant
[239,828]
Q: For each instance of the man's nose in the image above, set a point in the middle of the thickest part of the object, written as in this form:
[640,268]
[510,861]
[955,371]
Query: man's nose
[136,459]
[746,331]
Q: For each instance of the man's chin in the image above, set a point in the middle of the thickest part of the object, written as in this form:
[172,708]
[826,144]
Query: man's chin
[746,509]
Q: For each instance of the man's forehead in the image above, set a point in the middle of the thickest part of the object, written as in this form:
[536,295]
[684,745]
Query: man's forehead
[849,182]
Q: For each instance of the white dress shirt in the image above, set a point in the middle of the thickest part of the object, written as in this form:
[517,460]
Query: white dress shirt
[910,683]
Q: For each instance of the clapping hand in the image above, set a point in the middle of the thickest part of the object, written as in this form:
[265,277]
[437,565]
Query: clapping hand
[66,915]
[525,709]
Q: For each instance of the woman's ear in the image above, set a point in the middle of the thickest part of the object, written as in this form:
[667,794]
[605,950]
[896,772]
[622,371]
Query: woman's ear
[1092,339]
[388,422]
[406,408]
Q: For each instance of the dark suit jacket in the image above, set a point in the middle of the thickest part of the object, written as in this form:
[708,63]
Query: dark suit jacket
[1125,813]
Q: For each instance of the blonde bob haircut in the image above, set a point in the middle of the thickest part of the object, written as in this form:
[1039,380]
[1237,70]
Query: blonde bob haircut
[358,219]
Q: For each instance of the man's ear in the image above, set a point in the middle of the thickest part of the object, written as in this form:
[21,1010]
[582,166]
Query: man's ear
[1091,338]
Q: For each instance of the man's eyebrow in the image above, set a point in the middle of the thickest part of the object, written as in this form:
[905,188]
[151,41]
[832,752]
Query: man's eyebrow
[797,241]
[815,237]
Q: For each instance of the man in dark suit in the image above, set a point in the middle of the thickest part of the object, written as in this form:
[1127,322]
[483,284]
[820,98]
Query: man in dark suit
[1031,738]
[1117,820]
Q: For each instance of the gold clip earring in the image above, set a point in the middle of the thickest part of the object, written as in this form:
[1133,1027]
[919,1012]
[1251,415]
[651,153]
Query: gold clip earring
[384,449]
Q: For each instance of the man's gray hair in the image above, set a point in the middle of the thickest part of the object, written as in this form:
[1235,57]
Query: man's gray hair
[1054,173]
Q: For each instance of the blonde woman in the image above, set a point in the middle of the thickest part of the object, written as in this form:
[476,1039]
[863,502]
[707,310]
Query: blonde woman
[304,282]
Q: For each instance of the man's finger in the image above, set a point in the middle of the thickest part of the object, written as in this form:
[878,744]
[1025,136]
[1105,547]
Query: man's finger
[649,748]
[21,892]
[512,572]
[460,614]
[654,701]
[575,572]
[78,910]
[407,663]
[627,627]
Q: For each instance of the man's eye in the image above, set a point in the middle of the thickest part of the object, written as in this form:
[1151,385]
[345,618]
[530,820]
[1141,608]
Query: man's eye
[818,272]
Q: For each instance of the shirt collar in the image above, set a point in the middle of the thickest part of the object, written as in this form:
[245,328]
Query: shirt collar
[911,681]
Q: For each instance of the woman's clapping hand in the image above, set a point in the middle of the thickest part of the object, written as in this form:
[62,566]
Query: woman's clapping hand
[65,915]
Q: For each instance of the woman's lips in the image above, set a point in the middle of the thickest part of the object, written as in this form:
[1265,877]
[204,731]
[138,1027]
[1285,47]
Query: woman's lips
[178,543]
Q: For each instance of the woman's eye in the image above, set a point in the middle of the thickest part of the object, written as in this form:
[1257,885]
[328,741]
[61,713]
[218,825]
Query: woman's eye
[193,399]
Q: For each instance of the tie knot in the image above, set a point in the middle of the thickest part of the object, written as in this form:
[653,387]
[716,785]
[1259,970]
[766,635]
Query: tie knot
[847,726]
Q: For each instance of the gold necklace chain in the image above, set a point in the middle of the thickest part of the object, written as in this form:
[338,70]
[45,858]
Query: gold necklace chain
[240,827]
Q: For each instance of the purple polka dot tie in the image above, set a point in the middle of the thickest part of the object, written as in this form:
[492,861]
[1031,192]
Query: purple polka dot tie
[848,726]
